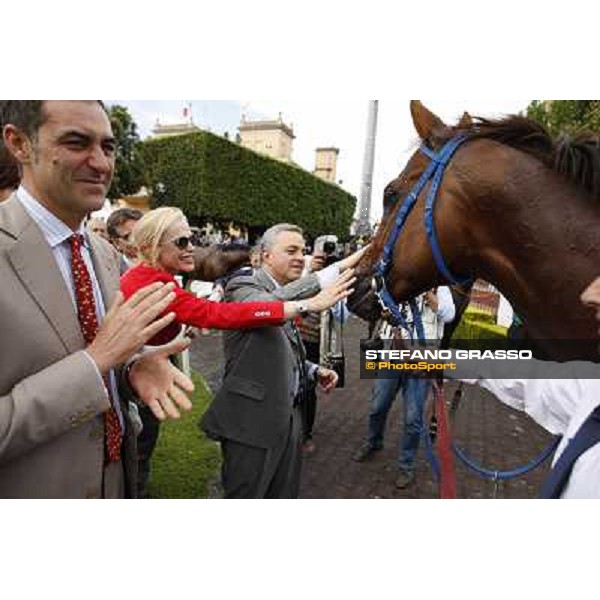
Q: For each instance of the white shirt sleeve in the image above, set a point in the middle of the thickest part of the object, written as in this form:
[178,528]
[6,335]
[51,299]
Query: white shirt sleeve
[328,275]
[446,309]
[311,370]
[550,402]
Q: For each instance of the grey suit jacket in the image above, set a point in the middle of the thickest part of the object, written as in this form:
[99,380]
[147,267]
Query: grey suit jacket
[255,402]
[51,398]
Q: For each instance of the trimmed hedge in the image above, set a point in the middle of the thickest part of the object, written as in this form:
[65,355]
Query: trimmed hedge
[209,177]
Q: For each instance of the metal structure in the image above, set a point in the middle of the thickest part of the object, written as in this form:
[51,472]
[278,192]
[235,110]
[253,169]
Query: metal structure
[363,225]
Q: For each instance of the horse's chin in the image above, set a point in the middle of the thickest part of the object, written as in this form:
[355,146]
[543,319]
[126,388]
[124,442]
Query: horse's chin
[363,301]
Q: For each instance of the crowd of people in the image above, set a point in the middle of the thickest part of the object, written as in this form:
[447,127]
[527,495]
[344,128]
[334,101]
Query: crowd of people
[93,323]
[92,314]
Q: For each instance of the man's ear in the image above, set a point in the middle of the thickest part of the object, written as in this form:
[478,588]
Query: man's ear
[429,126]
[18,144]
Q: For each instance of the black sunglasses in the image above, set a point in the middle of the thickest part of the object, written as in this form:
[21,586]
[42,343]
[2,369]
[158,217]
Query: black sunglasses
[182,242]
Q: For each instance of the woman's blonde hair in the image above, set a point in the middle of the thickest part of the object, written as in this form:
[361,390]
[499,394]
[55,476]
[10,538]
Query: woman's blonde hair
[149,231]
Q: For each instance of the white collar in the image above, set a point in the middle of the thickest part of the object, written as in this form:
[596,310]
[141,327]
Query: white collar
[55,231]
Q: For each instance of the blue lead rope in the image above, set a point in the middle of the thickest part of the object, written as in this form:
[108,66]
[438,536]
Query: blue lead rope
[511,474]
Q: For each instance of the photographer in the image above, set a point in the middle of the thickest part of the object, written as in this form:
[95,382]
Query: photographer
[326,247]
[310,328]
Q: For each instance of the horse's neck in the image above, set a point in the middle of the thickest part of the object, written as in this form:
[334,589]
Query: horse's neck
[539,243]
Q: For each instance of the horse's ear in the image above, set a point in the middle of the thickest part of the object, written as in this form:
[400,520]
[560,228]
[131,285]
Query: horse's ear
[428,126]
[465,121]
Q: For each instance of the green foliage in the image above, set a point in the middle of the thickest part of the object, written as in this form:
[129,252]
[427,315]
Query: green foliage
[566,116]
[129,170]
[209,177]
[185,461]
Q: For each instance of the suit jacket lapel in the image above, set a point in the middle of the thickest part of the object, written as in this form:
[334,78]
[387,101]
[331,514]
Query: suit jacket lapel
[267,281]
[34,264]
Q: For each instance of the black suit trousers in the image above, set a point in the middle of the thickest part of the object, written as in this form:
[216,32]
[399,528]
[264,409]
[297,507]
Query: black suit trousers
[250,472]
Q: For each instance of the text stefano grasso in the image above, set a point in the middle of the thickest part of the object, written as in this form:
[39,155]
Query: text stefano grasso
[448,355]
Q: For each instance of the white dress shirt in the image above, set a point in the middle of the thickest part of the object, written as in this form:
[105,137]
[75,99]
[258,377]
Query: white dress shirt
[311,367]
[560,406]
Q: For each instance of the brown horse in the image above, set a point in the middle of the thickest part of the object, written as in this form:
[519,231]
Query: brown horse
[515,207]
[213,262]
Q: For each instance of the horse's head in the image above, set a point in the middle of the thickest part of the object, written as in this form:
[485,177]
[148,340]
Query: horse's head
[213,262]
[412,268]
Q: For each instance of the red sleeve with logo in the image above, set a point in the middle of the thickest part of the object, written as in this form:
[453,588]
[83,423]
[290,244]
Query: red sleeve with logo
[198,312]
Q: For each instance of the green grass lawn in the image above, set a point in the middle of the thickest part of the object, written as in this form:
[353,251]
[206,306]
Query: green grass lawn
[185,461]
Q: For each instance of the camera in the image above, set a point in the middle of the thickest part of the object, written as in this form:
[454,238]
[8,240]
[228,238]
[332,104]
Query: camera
[330,248]
[337,363]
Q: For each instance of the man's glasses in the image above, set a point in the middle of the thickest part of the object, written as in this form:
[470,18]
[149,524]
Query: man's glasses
[182,242]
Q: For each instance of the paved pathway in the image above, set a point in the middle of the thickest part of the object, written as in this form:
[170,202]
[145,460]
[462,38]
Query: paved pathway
[493,434]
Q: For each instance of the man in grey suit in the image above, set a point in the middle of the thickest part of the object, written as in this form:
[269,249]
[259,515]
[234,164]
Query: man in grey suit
[66,331]
[256,414]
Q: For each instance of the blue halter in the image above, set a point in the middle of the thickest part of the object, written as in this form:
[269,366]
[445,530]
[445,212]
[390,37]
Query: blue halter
[435,172]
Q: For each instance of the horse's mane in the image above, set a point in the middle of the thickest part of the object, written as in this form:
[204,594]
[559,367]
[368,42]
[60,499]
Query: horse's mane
[575,157]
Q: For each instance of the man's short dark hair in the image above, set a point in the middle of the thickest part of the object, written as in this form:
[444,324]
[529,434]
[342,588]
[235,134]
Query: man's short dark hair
[9,169]
[27,115]
[118,217]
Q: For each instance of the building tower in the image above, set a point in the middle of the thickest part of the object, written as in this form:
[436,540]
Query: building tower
[273,138]
[326,163]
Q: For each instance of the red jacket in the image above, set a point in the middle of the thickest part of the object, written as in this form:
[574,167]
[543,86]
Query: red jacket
[198,312]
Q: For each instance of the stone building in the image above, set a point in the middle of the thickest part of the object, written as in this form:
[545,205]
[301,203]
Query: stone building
[273,138]
[326,163]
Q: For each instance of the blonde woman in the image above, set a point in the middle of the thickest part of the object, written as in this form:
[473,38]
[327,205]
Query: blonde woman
[163,237]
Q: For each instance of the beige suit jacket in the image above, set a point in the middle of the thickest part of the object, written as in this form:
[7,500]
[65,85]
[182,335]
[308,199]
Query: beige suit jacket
[51,397]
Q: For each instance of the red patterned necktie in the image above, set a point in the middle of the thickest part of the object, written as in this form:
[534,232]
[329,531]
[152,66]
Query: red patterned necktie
[86,310]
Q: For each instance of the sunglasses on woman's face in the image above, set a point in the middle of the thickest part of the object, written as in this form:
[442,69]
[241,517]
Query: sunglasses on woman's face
[182,242]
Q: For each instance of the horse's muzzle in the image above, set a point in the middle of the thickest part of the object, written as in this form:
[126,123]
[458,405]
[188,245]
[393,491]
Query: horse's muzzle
[363,302]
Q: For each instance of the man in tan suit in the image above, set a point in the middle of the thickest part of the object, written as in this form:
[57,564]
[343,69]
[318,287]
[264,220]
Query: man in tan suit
[66,428]
[9,173]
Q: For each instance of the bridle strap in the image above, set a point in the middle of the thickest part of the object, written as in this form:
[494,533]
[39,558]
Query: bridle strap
[445,155]
[435,172]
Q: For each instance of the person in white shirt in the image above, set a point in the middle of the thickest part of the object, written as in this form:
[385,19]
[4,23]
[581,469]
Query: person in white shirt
[561,406]
[436,308]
